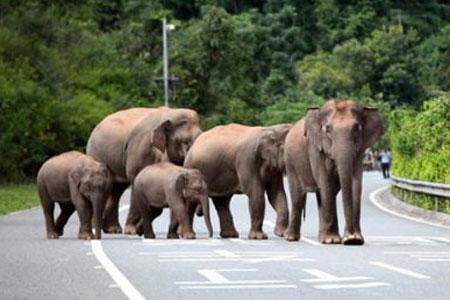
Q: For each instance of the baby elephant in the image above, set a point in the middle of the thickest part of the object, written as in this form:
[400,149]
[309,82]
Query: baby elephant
[164,185]
[75,181]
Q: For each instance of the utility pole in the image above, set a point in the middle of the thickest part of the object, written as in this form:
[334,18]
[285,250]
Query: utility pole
[166,63]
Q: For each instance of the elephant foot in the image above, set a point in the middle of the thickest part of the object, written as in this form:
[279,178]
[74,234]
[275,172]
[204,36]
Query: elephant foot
[130,229]
[85,236]
[112,229]
[149,235]
[257,235]
[279,230]
[330,238]
[60,231]
[291,236]
[52,236]
[353,239]
[172,235]
[188,235]
[229,234]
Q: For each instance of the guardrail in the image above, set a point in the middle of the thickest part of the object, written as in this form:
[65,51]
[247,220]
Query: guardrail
[429,188]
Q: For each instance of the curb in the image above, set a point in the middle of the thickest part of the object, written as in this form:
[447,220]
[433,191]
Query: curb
[385,201]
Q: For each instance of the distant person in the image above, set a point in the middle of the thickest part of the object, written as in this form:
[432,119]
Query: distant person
[385,156]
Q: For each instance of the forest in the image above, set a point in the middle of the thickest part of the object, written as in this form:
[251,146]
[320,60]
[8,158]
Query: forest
[64,65]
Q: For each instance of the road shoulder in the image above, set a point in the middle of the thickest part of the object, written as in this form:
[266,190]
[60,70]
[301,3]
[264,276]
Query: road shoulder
[384,200]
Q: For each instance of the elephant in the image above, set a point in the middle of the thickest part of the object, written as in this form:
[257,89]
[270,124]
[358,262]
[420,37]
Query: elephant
[323,154]
[75,181]
[164,185]
[128,140]
[242,159]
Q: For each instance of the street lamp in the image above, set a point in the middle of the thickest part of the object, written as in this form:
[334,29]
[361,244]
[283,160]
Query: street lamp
[166,27]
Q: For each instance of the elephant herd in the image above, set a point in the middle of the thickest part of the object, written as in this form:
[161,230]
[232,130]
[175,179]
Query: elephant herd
[169,162]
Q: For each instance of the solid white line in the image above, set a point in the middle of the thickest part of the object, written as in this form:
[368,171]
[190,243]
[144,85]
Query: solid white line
[434,259]
[124,207]
[416,252]
[127,288]
[273,286]
[306,240]
[399,270]
[350,286]
[375,202]
[223,259]
[229,282]
[226,253]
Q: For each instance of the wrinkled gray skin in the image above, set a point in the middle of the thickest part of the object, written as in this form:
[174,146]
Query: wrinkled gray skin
[75,181]
[166,185]
[131,139]
[323,154]
[237,159]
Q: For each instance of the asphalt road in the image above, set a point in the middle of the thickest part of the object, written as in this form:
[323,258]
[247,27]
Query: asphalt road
[401,259]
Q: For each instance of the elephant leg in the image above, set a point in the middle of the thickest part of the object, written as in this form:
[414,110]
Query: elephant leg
[67,209]
[222,205]
[257,207]
[132,224]
[355,238]
[148,217]
[173,226]
[85,212]
[48,208]
[111,213]
[298,199]
[328,223]
[277,199]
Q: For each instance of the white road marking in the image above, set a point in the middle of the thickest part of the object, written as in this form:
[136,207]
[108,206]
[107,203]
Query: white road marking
[351,285]
[326,277]
[434,259]
[127,288]
[224,259]
[442,239]
[113,285]
[89,253]
[270,286]
[124,208]
[399,270]
[417,252]
[98,267]
[215,280]
[375,202]
[226,253]
[306,240]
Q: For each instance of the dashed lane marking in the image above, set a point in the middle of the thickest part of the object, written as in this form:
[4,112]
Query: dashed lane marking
[399,270]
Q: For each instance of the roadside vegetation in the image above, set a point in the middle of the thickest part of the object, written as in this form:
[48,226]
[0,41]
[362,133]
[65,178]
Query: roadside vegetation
[64,65]
[14,197]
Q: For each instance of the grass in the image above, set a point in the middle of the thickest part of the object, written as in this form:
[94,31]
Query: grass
[16,197]
[422,200]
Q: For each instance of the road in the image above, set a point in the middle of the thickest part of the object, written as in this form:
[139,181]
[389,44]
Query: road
[401,259]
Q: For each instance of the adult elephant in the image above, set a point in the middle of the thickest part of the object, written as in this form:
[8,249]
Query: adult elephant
[237,159]
[128,140]
[324,153]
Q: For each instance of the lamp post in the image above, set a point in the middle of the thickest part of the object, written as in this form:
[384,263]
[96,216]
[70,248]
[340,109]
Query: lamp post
[166,27]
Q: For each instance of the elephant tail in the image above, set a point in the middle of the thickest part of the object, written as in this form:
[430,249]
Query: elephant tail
[304,211]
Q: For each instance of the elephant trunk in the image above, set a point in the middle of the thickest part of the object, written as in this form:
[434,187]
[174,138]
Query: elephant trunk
[97,207]
[205,209]
[344,162]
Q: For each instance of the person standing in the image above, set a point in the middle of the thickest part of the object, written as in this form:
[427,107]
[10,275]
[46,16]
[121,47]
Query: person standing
[385,162]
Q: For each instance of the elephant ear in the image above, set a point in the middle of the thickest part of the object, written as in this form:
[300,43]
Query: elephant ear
[314,131]
[75,175]
[180,184]
[373,127]
[160,135]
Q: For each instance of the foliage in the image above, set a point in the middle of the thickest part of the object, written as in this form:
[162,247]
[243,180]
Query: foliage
[64,65]
[422,200]
[421,141]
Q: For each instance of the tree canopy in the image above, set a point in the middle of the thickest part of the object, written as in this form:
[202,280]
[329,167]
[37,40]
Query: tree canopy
[64,65]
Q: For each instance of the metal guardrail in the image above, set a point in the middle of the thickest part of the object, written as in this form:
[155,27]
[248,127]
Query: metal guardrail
[429,188]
